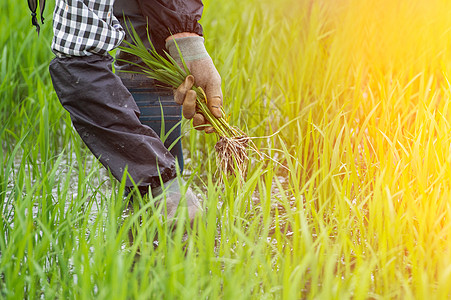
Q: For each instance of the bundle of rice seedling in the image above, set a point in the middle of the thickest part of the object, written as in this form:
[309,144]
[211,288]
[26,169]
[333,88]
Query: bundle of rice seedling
[233,144]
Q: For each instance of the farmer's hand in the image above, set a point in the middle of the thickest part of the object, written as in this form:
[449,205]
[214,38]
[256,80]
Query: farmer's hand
[204,75]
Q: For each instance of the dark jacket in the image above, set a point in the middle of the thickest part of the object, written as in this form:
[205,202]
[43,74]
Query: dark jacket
[163,18]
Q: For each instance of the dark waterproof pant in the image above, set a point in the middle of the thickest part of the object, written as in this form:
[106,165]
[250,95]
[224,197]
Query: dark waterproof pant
[158,110]
[106,117]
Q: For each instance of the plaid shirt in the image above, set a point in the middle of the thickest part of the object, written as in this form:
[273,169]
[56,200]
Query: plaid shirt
[85,27]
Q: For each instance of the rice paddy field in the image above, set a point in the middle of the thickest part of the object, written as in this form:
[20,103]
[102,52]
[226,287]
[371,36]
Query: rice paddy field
[349,99]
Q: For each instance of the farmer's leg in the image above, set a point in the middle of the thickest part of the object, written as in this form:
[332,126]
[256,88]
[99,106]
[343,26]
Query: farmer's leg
[158,109]
[106,117]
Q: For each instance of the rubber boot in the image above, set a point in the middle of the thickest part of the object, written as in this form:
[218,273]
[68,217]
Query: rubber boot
[177,196]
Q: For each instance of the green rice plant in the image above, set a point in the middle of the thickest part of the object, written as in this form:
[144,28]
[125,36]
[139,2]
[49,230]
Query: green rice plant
[350,96]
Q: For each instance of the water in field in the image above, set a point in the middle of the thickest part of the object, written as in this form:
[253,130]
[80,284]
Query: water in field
[66,177]
[100,186]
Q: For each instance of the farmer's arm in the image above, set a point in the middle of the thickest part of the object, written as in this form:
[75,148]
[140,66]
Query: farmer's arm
[171,17]
[202,68]
[180,35]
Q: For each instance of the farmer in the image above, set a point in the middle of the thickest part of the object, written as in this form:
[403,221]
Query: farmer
[173,20]
[101,108]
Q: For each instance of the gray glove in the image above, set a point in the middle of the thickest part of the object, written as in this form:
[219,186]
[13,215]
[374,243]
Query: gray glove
[204,75]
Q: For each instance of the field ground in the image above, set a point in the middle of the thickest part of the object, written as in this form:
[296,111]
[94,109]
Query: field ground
[351,100]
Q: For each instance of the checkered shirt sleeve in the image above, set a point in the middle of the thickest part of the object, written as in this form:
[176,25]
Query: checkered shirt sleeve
[85,27]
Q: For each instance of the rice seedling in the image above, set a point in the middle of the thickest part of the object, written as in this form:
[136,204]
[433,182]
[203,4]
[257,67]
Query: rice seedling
[231,149]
